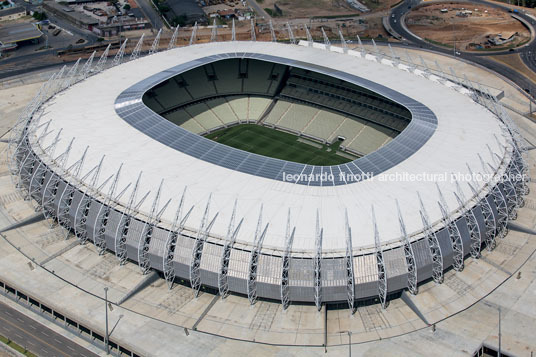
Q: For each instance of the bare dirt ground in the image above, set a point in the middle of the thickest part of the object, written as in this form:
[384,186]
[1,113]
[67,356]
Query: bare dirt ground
[311,8]
[468,27]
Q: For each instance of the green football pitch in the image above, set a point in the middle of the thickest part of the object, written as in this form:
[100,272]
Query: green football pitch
[277,144]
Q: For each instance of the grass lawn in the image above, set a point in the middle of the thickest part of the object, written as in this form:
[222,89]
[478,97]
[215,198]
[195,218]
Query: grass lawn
[280,145]
[16,347]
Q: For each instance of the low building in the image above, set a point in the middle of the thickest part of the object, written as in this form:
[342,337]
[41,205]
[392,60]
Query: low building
[114,28]
[77,18]
[13,35]
[12,13]
[227,14]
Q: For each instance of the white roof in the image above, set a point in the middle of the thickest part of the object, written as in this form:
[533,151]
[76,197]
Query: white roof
[86,111]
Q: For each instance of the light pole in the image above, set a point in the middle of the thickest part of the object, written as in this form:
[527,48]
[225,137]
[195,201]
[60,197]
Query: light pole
[349,341]
[499,335]
[499,354]
[106,341]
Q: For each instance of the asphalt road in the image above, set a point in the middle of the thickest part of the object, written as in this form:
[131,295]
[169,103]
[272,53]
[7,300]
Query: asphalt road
[258,9]
[527,53]
[150,13]
[35,337]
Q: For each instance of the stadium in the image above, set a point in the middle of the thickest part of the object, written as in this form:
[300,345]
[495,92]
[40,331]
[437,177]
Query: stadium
[305,173]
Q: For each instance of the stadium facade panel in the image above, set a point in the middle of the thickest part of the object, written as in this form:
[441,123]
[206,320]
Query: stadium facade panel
[272,239]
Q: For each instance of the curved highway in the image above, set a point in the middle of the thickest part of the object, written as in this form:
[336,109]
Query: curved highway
[527,53]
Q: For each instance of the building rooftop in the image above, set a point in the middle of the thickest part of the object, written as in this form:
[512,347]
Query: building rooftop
[18,33]
[12,10]
[454,145]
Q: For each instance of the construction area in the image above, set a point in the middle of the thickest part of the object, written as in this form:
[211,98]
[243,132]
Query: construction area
[467,27]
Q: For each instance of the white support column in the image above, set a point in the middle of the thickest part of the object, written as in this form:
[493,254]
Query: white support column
[349,265]
[214,32]
[326,39]
[291,37]
[24,151]
[472,224]
[66,199]
[171,242]
[343,41]
[102,216]
[119,55]
[272,32]
[363,51]
[453,231]
[394,57]
[411,264]
[102,60]
[232,232]
[285,278]
[433,245]
[380,264]
[70,78]
[156,43]
[121,233]
[309,37]
[50,191]
[253,35]
[254,260]
[82,209]
[148,229]
[86,69]
[489,218]
[194,34]
[233,32]
[197,251]
[173,42]
[317,264]
[137,50]
[37,184]
[501,218]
